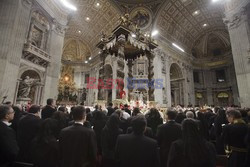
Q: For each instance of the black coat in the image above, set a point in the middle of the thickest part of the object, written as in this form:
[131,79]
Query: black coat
[28,128]
[148,132]
[108,141]
[8,145]
[110,111]
[234,136]
[47,112]
[137,151]
[77,146]
[176,156]
[166,134]
[45,152]
[127,111]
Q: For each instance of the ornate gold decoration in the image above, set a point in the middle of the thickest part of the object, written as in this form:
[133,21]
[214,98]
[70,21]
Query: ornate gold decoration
[66,85]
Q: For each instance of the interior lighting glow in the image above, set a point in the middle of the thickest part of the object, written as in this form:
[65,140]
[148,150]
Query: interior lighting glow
[178,47]
[154,33]
[68,5]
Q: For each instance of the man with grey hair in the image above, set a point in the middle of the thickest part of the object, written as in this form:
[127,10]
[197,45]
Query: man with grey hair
[8,144]
[190,114]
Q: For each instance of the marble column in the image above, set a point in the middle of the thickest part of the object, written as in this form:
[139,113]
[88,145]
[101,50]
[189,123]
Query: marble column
[150,57]
[237,20]
[14,19]
[114,68]
[168,84]
[191,87]
[185,86]
[53,70]
[158,93]
[130,76]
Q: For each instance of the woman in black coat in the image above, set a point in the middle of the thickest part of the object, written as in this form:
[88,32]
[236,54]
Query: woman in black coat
[154,119]
[192,150]
[108,140]
[99,121]
[45,147]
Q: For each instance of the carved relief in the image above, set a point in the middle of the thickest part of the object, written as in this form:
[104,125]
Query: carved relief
[27,3]
[236,19]
[58,28]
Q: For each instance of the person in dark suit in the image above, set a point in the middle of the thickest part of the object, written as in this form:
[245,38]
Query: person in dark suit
[110,109]
[166,134]
[192,150]
[28,128]
[77,143]
[234,135]
[8,144]
[49,109]
[136,150]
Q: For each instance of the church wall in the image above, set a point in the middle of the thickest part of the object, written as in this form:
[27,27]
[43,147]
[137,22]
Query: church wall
[14,16]
[237,20]
[18,53]
[209,87]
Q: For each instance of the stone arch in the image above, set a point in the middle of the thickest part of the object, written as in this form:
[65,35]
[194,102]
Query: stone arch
[175,71]
[76,50]
[177,84]
[26,70]
[33,86]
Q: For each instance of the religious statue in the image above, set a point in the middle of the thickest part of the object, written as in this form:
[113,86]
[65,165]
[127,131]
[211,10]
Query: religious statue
[25,86]
[141,96]
[124,20]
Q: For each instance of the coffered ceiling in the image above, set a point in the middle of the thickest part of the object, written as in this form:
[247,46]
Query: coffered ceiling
[181,21]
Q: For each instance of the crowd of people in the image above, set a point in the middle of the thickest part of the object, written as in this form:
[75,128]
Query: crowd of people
[52,136]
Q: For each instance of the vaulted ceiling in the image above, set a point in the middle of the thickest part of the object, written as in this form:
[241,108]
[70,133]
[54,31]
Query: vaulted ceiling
[184,22]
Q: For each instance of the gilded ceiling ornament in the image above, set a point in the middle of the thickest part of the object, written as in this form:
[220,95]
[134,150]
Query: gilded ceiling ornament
[142,17]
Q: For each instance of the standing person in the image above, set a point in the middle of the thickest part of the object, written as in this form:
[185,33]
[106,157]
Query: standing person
[78,143]
[49,109]
[99,121]
[8,144]
[108,140]
[192,150]
[28,128]
[18,114]
[127,110]
[110,109]
[220,121]
[136,150]
[45,147]
[234,135]
[203,125]
[166,134]
[154,119]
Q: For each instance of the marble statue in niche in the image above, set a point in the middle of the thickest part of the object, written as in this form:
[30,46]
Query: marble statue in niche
[25,86]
